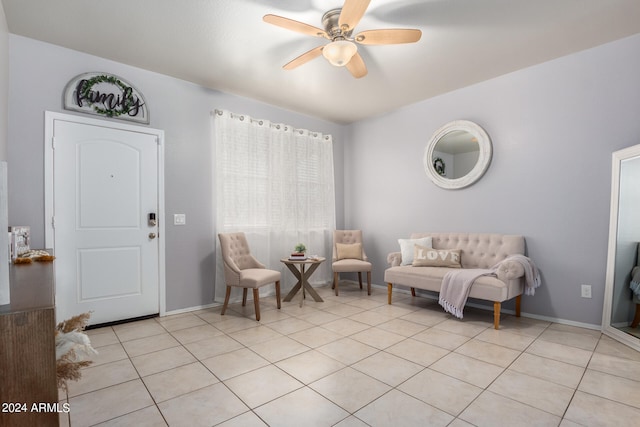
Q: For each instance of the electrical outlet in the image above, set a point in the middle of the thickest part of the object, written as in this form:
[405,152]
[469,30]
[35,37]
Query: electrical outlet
[179,219]
[585,291]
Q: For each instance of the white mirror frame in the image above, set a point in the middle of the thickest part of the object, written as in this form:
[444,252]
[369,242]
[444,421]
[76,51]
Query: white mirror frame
[607,328]
[484,156]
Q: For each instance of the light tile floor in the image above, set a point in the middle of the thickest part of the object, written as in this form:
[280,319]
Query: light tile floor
[354,360]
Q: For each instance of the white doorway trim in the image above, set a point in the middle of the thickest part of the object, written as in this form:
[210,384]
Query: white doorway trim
[50,118]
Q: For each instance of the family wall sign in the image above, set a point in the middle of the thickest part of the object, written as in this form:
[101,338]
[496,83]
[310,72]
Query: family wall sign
[105,95]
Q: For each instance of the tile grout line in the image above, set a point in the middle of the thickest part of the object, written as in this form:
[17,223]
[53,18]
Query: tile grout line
[377,326]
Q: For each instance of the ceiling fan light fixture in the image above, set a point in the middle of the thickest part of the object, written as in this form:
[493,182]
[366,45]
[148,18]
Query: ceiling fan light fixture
[339,52]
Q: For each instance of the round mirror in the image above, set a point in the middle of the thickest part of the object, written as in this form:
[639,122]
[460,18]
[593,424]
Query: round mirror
[457,155]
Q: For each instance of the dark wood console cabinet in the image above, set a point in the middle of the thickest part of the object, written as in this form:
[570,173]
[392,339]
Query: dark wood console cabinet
[27,348]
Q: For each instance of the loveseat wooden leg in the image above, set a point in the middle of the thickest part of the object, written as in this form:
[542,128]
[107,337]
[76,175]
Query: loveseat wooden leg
[368,283]
[389,287]
[336,279]
[496,315]
[278,293]
[244,297]
[518,304]
[413,292]
[226,300]
[360,278]
[256,302]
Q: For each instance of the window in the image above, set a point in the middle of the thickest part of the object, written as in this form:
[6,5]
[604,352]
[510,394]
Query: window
[276,184]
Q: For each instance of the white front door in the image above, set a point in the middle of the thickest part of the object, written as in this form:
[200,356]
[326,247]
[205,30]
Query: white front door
[106,183]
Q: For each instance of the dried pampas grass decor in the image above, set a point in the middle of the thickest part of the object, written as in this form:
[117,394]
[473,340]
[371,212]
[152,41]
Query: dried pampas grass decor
[72,345]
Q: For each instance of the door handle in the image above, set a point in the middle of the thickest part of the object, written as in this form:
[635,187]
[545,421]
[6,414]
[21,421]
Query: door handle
[152,236]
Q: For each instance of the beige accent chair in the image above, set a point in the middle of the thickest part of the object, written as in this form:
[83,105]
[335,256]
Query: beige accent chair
[345,259]
[241,269]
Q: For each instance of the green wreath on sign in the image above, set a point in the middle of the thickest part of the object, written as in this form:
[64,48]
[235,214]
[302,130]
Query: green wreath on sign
[127,101]
[438,165]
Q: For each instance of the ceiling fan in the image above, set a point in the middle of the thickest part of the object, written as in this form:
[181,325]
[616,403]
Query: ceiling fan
[338,27]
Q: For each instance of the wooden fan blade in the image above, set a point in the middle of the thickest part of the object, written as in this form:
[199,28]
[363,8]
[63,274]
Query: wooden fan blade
[297,26]
[304,58]
[389,36]
[351,13]
[356,66]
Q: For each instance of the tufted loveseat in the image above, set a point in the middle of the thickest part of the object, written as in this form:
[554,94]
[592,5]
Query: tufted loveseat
[476,251]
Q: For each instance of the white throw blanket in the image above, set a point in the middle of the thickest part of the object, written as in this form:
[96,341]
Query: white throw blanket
[456,284]
[455,288]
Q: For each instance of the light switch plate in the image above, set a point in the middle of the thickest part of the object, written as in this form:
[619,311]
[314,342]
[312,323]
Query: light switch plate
[179,219]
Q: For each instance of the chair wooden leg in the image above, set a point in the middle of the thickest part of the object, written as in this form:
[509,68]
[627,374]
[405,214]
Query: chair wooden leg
[368,283]
[336,279]
[496,315]
[278,293]
[518,305]
[244,297]
[413,292]
[389,287]
[226,300]
[360,278]
[256,302]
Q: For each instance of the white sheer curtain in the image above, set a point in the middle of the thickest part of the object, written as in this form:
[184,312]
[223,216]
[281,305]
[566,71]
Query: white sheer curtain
[276,184]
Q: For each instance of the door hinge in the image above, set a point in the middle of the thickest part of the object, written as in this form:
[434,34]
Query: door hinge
[53,222]
[53,142]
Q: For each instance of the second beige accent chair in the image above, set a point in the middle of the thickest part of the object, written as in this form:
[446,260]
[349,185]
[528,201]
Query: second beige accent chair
[349,256]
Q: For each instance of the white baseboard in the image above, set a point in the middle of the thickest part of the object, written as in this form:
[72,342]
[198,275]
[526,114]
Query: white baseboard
[219,304]
[522,313]
[422,295]
[563,321]
[190,309]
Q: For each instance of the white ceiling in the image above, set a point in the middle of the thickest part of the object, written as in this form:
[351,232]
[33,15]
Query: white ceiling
[225,45]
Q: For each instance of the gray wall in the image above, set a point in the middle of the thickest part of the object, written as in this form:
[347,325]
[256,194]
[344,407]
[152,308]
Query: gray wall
[4,90]
[553,128]
[38,75]
[4,84]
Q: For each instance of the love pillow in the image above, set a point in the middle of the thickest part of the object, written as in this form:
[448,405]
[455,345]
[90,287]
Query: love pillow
[428,257]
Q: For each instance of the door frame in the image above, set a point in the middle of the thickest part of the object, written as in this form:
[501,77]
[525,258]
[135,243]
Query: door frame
[49,238]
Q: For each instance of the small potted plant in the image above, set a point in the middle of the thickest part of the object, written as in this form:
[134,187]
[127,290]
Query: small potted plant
[299,251]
